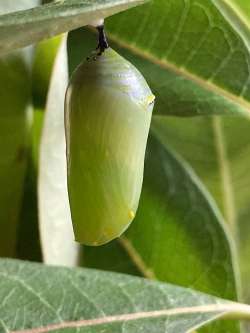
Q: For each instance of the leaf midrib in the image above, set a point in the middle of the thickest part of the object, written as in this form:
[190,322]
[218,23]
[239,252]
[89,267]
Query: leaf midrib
[234,309]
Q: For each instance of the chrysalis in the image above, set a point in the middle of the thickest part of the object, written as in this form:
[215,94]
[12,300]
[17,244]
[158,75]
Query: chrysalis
[108,110]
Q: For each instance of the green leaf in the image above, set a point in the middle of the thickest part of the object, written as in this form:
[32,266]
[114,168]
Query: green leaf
[187,220]
[36,298]
[191,57]
[238,14]
[29,26]
[219,151]
[57,240]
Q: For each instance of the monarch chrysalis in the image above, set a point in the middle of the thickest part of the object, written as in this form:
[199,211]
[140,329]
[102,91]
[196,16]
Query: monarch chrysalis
[108,110]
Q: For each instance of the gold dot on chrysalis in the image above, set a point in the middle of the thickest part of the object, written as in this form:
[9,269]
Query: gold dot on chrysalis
[150,99]
[131,214]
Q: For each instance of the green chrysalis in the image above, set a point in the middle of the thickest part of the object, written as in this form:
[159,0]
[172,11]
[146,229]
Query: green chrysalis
[108,111]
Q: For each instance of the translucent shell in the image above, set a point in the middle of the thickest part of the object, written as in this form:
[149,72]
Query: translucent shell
[108,109]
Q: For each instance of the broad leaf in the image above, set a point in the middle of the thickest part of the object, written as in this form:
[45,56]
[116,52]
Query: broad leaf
[36,298]
[26,27]
[193,60]
[219,150]
[57,238]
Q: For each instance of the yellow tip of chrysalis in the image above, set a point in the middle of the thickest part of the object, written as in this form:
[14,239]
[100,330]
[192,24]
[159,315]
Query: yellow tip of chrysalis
[131,214]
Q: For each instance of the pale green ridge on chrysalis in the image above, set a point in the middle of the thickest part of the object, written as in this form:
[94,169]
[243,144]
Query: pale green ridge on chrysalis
[108,109]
